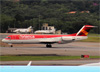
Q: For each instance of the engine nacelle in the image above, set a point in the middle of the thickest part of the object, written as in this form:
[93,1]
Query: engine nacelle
[80,37]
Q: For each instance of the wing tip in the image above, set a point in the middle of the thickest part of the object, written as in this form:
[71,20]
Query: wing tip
[29,64]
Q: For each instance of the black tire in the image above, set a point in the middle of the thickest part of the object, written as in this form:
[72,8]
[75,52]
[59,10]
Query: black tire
[49,46]
[11,46]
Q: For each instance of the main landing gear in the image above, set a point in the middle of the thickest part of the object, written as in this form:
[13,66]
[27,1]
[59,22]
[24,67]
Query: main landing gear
[11,45]
[49,45]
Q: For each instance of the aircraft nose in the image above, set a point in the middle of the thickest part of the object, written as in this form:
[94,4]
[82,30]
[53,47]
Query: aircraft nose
[3,40]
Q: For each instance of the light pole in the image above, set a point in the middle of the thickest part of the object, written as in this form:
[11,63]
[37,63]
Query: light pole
[39,21]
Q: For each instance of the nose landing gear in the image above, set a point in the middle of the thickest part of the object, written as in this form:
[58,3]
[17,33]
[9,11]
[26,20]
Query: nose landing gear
[10,45]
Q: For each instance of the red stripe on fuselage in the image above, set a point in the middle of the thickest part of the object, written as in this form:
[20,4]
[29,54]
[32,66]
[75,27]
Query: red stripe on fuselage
[28,36]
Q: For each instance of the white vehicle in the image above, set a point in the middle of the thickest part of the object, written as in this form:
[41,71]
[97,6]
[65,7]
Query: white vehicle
[23,30]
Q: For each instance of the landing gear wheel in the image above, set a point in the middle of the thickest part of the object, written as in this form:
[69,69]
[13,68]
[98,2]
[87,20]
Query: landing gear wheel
[49,45]
[11,45]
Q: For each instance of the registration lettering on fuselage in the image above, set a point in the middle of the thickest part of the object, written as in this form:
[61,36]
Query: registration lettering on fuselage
[26,36]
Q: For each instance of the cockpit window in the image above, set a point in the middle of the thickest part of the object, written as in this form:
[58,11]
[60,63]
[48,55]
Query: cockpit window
[8,37]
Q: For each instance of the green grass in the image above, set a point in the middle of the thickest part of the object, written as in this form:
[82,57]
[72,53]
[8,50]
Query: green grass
[94,56]
[91,35]
[91,39]
[29,58]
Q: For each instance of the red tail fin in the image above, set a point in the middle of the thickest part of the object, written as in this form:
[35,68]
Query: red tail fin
[84,30]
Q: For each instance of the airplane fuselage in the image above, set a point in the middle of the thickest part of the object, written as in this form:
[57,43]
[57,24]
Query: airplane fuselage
[31,39]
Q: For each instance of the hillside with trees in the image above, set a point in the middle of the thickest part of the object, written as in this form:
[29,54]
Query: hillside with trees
[67,15]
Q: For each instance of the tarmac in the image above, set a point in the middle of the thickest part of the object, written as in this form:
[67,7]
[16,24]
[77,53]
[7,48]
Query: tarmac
[70,49]
[54,62]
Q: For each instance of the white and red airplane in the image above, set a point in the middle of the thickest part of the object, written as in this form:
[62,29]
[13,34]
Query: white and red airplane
[48,39]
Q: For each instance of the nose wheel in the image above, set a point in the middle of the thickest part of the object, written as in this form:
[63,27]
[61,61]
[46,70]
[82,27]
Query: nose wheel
[48,45]
[10,44]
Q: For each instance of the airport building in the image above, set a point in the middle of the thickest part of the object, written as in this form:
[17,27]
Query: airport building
[45,29]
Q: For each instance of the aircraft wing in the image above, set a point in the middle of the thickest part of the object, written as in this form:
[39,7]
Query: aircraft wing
[30,68]
[29,64]
[91,64]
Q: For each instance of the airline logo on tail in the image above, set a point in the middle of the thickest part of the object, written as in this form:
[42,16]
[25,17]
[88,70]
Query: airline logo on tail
[84,30]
